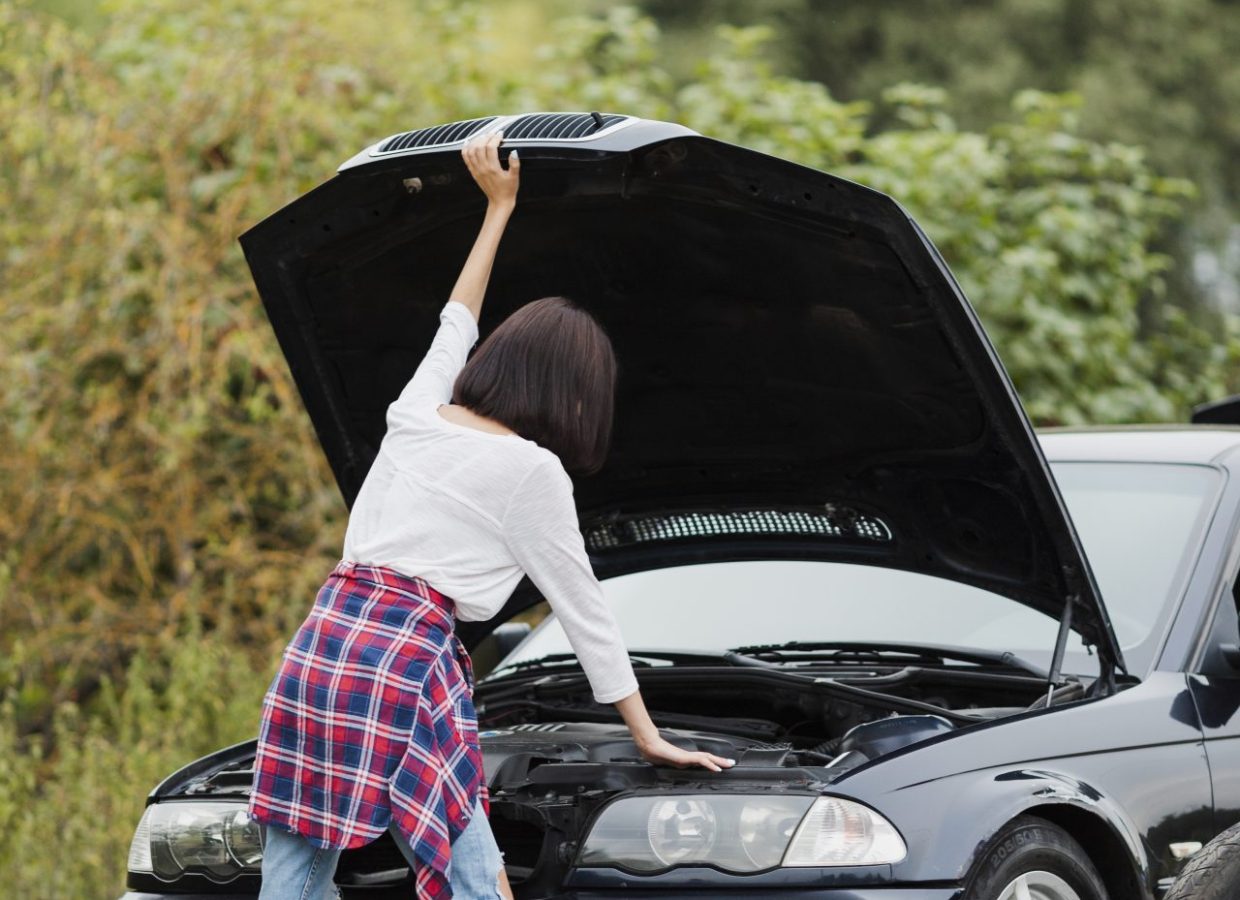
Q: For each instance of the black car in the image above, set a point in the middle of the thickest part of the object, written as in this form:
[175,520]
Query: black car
[837,550]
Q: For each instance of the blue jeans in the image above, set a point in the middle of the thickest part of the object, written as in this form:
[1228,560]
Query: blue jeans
[295,869]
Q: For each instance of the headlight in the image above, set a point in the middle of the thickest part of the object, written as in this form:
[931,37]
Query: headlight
[739,833]
[215,839]
[681,829]
[838,832]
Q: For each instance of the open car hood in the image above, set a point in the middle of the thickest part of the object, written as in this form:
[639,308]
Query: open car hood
[800,374]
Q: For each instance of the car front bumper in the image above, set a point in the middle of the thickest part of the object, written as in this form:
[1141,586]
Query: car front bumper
[800,893]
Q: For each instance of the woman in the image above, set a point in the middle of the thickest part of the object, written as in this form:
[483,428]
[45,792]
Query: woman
[369,724]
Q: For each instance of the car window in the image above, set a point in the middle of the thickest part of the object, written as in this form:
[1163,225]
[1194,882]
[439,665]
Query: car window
[1137,522]
[1141,525]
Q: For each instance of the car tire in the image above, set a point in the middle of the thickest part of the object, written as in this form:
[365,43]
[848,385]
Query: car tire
[1039,857]
[1214,871]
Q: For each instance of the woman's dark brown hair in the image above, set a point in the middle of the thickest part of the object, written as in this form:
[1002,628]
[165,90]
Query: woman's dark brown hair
[548,373]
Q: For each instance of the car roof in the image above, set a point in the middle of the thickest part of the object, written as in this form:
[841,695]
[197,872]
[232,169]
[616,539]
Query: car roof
[1140,443]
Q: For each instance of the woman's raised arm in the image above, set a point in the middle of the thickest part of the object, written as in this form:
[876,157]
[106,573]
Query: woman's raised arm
[500,186]
[458,329]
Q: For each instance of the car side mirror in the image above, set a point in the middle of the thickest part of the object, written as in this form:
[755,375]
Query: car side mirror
[1230,653]
[508,635]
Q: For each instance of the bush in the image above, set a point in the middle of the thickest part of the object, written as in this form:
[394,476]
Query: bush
[159,467]
[69,801]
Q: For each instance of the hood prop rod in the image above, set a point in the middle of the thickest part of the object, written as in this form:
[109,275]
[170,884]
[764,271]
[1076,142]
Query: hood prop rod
[1061,645]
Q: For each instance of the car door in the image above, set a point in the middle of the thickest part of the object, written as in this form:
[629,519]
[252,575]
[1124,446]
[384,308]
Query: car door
[1207,641]
[1216,690]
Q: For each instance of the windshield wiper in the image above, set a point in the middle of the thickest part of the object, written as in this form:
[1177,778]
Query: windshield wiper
[639,658]
[850,651]
[551,659]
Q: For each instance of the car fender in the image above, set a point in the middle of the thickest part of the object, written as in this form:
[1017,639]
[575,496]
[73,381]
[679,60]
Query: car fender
[1134,759]
[1098,822]
[949,823]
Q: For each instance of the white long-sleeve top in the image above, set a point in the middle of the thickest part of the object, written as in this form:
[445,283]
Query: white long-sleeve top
[471,511]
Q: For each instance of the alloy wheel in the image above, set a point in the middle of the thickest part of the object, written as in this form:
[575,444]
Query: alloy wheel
[1038,886]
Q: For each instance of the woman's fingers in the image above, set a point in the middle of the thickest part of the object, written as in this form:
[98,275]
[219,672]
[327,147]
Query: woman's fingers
[706,761]
[474,150]
[492,151]
[669,754]
[481,156]
[467,154]
[716,763]
[481,151]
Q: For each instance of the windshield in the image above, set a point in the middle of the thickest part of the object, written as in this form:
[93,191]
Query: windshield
[1137,521]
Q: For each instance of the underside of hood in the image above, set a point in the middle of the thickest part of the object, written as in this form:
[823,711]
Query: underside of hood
[800,375]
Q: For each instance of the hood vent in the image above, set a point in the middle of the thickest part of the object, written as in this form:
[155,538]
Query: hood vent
[436,136]
[836,522]
[559,126]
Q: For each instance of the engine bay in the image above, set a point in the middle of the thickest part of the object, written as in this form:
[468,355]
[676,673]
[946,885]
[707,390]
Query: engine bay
[804,716]
[554,757]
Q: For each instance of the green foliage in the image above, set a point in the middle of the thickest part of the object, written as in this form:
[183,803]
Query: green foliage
[1051,235]
[69,802]
[1163,74]
[159,468]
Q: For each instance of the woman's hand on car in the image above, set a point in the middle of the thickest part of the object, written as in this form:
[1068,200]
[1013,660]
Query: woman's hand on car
[654,748]
[660,752]
[482,159]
